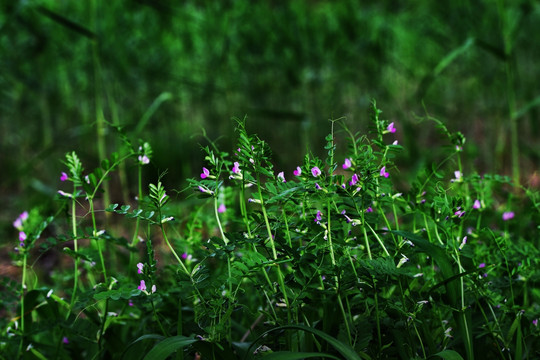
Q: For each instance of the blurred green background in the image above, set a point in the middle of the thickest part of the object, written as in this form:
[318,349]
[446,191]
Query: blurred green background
[164,70]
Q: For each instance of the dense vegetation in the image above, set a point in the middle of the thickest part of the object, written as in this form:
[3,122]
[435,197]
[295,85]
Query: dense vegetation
[363,236]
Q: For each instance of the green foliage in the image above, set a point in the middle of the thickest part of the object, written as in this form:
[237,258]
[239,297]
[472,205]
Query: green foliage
[331,261]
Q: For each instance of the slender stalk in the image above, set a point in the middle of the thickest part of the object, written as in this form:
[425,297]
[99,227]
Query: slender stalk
[23,288]
[76,249]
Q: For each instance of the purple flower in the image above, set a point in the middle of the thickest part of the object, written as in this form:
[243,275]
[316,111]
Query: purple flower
[221,209]
[347,164]
[354,180]
[63,177]
[206,191]
[391,128]
[154,288]
[383,172]
[459,212]
[477,204]
[205,173]
[142,286]
[458,176]
[482,265]
[65,340]
[130,303]
[535,322]
[369,209]
[143,159]
[140,267]
[281,176]
[318,217]
[22,237]
[184,256]
[315,171]
[508,215]
[298,171]
[236,168]
[317,186]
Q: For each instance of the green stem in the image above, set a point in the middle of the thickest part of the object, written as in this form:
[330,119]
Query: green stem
[75,248]
[23,288]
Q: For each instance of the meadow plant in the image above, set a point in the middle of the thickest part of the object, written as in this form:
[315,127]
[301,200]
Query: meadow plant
[330,260]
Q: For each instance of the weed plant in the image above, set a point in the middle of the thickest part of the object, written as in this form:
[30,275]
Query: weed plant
[330,261]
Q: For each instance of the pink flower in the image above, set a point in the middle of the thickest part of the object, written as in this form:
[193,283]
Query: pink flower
[221,209]
[205,173]
[184,256]
[482,265]
[508,215]
[236,168]
[391,128]
[347,164]
[142,286]
[477,204]
[395,142]
[130,303]
[18,223]
[315,171]
[383,172]
[281,176]
[298,171]
[63,177]
[140,267]
[65,340]
[22,236]
[154,288]
[458,176]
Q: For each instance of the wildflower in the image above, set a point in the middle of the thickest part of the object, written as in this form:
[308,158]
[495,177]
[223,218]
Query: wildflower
[477,204]
[391,128]
[65,340]
[459,212]
[236,168]
[347,164]
[205,173]
[317,186]
[143,159]
[154,288]
[402,261]
[354,180]
[369,209]
[463,242]
[221,209]
[63,177]
[205,190]
[65,194]
[383,172]
[508,215]
[298,171]
[447,332]
[318,217]
[395,142]
[130,303]
[535,322]
[458,176]
[315,171]
[482,265]
[142,286]
[281,176]
[18,223]
[140,267]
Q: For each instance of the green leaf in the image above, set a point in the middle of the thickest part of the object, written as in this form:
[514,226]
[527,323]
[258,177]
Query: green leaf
[448,355]
[287,355]
[344,349]
[166,347]
[125,293]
